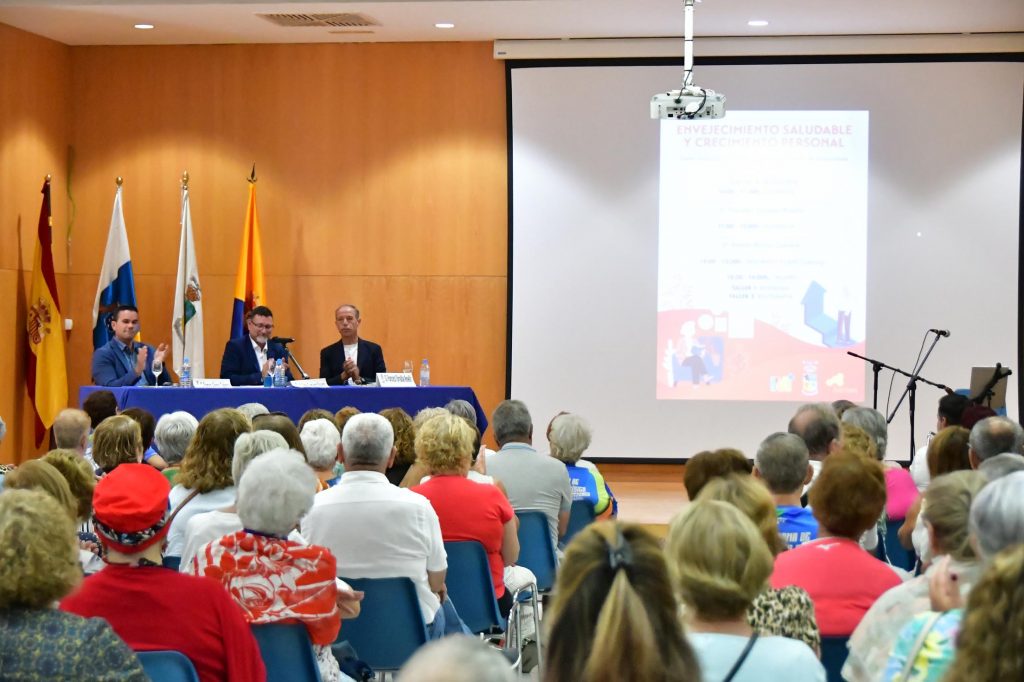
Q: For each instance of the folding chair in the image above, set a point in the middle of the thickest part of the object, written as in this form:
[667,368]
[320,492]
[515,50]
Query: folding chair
[390,626]
[287,652]
[536,552]
[889,547]
[168,666]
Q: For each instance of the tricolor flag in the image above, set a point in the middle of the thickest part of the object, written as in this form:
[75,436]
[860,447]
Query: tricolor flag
[249,282]
[47,375]
[187,319]
[117,283]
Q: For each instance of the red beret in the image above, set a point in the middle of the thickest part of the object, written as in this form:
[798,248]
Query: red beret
[130,507]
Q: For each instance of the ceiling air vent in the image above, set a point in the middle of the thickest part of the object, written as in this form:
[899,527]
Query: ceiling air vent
[334,20]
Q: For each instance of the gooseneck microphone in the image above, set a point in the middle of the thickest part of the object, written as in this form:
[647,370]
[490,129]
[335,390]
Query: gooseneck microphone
[940,332]
[285,340]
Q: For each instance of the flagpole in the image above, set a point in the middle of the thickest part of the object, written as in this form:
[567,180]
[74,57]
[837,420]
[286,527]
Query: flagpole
[184,237]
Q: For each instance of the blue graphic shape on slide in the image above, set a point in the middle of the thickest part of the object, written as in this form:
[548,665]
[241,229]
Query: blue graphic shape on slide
[817,319]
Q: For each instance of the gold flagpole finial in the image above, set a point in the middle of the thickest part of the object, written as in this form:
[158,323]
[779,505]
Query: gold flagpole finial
[252,176]
[184,180]
[48,178]
[119,181]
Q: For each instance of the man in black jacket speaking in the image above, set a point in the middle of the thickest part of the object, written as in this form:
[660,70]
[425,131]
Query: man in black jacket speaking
[351,360]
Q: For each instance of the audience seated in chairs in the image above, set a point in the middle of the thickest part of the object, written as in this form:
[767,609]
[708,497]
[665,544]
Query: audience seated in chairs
[81,480]
[532,480]
[322,441]
[211,525]
[947,452]
[38,565]
[253,410]
[569,436]
[901,492]
[466,510]
[204,481]
[949,413]
[782,464]
[789,611]
[996,523]
[316,413]
[818,427]
[948,499]
[173,434]
[147,424]
[842,579]
[378,530]
[720,564]
[151,607]
[280,423]
[405,451]
[613,614]
[275,579]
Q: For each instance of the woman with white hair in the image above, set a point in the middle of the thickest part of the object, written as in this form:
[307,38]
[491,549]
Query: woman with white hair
[209,526]
[928,643]
[901,491]
[321,439]
[569,436]
[272,578]
[173,434]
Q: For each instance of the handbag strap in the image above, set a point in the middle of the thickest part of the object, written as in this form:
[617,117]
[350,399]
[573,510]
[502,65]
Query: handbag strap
[908,666]
[739,661]
[180,506]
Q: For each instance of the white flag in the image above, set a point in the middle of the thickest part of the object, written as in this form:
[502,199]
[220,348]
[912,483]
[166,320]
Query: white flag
[187,319]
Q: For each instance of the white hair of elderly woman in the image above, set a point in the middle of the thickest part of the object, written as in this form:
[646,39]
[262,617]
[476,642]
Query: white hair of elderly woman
[872,422]
[251,410]
[368,439]
[173,433]
[321,439]
[570,436]
[458,658]
[997,515]
[276,492]
[248,445]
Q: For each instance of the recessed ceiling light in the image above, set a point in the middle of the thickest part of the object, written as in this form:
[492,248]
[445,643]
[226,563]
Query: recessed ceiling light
[757,22]
[444,24]
[143,27]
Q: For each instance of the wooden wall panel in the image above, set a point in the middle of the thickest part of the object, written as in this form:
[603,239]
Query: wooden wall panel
[35,91]
[382,182]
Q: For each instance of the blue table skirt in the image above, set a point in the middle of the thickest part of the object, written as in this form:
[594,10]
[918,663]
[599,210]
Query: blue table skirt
[291,400]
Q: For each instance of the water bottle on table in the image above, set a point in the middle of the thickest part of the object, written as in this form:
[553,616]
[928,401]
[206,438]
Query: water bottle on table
[279,378]
[186,373]
[425,373]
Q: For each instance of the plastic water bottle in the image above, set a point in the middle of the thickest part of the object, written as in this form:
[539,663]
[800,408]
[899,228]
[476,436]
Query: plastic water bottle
[279,380]
[425,373]
[186,374]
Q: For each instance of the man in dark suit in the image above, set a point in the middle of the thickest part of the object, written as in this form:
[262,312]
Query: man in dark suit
[248,359]
[352,360]
[123,361]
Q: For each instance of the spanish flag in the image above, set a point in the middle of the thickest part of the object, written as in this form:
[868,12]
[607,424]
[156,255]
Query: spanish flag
[249,282]
[47,374]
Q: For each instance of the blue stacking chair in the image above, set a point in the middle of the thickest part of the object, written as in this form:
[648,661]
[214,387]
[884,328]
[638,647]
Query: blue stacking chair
[287,652]
[172,562]
[390,626]
[535,549]
[581,515]
[889,547]
[833,656]
[168,666]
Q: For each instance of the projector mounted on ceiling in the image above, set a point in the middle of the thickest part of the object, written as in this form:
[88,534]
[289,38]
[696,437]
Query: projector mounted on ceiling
[690,101]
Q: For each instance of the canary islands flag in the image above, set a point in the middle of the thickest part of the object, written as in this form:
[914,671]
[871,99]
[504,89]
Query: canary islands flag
[249,282]
[117,283]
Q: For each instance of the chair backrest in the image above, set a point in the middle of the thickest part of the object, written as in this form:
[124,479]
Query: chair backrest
[390,626]
[168,666]
[535,549]
[470,586]
[833,656]
[889,548]
[581,515]
[172,562]
[287,652]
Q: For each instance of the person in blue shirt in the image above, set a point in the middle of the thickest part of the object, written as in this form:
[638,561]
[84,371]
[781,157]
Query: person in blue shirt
[123,361]
[569,436]
[782,463]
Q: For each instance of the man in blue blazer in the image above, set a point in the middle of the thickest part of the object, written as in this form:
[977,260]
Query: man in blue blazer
[247,360]
[352,360]
[123,361]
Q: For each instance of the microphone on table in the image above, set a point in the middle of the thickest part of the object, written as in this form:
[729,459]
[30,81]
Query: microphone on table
[940,332]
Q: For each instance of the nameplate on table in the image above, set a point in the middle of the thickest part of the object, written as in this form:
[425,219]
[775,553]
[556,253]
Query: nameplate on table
[309,383]
[394,379]
[211,383]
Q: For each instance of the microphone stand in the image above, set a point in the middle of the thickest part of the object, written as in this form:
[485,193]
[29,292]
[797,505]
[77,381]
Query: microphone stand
[294,359]
[911,389]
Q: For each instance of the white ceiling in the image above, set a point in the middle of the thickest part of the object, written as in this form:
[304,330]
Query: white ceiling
[189,22]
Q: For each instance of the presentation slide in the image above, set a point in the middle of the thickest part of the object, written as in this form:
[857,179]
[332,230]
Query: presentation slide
[762,247]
